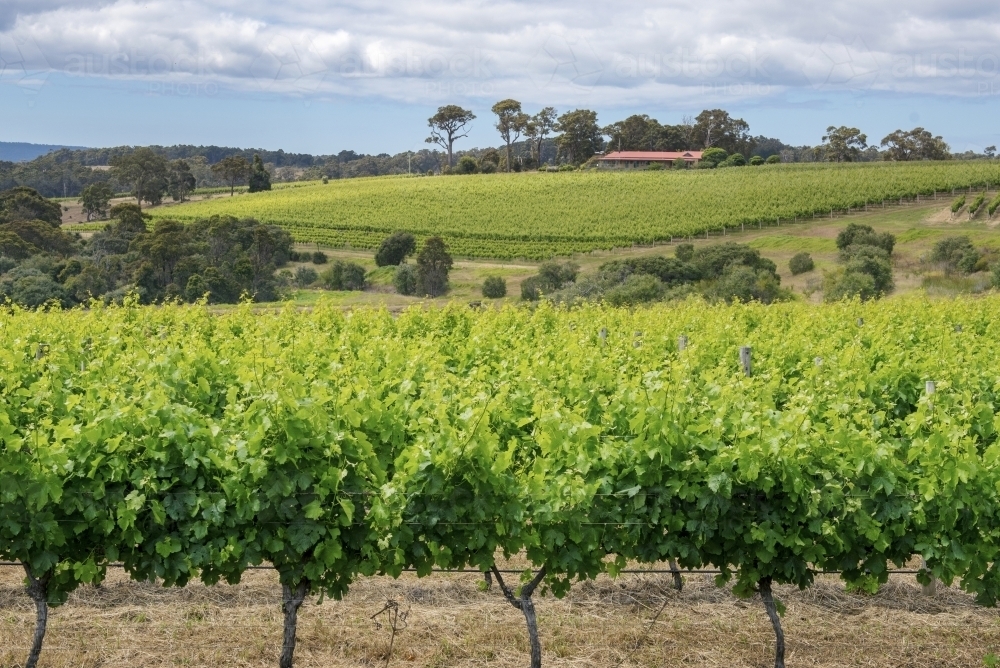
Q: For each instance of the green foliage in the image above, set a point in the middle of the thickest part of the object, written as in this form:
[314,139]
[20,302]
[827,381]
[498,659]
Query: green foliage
[143,172]
[305,276]
[395,248]
[956,254]
[801,263]
[744,284]
[259,179]
[319,257]
[405,279]
[976,205]
[773,160]
[712,261]
[734,160]
[713,156]
[466,165]
[180,180]
[864,235]
[957,205]
[636,289]
[22,204]
[96,199]
[433,265]
[850,285]
[531,290]
[539,218]
[333,445]
[757,161]
[684,252]
[994,205]
[494,287]
[343,276]
[654,166]
[670,271]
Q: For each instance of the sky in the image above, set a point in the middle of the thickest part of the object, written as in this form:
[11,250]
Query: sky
[318,77]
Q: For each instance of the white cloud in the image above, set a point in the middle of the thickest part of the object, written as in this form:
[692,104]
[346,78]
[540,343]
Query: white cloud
[581,52]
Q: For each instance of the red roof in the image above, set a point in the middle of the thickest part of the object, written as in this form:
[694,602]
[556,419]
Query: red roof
[653,155]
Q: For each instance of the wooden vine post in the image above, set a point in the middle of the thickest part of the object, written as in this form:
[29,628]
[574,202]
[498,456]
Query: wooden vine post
[745,361]
[930,588]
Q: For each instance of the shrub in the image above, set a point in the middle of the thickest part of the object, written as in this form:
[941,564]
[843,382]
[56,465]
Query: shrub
[654,166]
[680,163]
[849,285]
[712,261]
[405,279]
[957,254]
[713,156]
[735,160]
[957,205]
[487,167]
[466,165]
[637,289]
[319,257]
[773,160]
[743,283]
[433,265]
[869,261]
[552,275]
[801,263]
[294,256]
[305,276]
[684,252]
[395,248]
[669,270]
[344,276]
[567,167]
[530,290]
[326,179]
[494,287]
[756,161]
[864,235]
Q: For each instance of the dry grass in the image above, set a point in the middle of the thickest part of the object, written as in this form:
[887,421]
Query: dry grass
[451,623]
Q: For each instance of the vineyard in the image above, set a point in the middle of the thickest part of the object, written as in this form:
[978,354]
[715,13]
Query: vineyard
[539,215]
[770,443]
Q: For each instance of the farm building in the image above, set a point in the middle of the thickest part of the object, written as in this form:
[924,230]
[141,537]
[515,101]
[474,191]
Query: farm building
[641,159]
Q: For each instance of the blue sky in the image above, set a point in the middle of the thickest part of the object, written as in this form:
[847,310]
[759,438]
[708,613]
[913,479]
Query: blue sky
[318,77]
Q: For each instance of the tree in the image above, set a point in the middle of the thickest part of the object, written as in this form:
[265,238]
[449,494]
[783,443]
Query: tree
[581,137]
[916,144]
[96,198]
[539,126]
[843,144]
[143,172]
[395,248]
[23,203]
[260,180]
[713,156]
[642,133]
[494,287]
[233,169]
[433,265]
[180,180]
[716,127]
[448,125]
[801,263]
[511,122]
[990,151]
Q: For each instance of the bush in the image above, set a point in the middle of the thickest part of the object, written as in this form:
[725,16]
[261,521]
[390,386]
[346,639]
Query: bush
[405,279]
[680,163]
[552,275]
[395,248]
[494,287]
[487,167]
[712,261]
[756,161]
[849,285]
[713,156]
[305,276]
[669,270]
[294,256]
[433,265]
[319,257]
[466,165]
[530,290]
[743,283]
[654,166]
[773,160]
[801,263]
[637,289]
[873,263]
[567,167]
[864,235]
[344,276]
[735,160]
[684,252]
[957,254]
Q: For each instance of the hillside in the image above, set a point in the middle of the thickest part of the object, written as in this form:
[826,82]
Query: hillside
[539,215]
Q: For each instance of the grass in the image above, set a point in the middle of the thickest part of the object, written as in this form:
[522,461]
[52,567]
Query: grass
[450,622]
[537,215]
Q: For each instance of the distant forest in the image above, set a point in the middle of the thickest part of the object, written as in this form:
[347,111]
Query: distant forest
[66,172]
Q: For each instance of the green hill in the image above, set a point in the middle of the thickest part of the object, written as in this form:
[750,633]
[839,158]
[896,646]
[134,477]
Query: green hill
[538,215]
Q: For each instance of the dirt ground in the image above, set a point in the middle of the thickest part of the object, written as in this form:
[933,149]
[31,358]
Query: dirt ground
[449,622]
